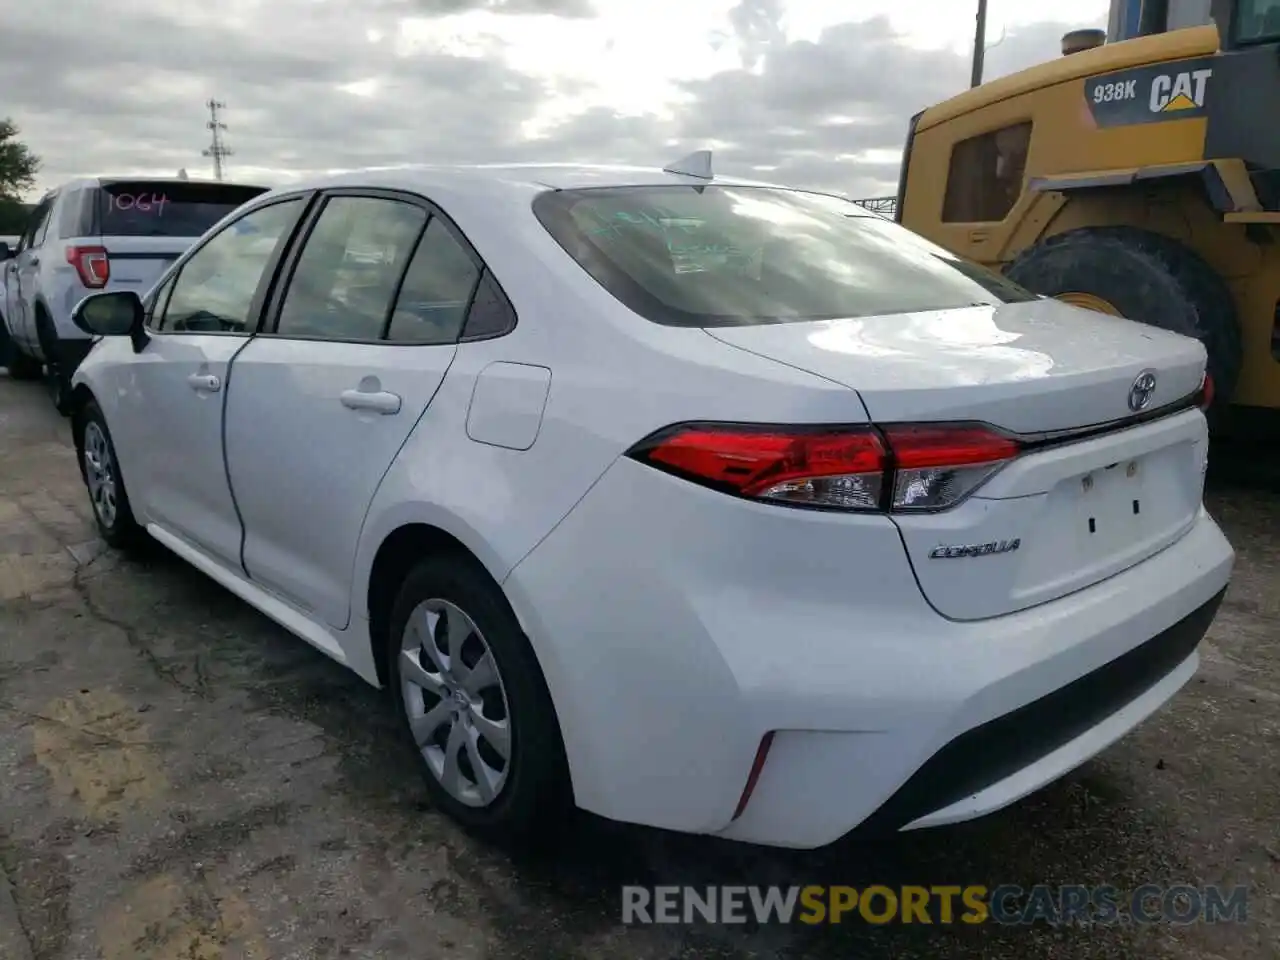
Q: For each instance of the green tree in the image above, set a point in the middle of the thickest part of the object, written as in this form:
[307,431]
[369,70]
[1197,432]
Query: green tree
[18,168]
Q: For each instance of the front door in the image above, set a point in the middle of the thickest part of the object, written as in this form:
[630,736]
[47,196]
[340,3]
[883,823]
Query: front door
[322,403]
[178,384]
[22,278]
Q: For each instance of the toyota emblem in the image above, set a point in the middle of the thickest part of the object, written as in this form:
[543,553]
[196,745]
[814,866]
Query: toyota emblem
[1144,386]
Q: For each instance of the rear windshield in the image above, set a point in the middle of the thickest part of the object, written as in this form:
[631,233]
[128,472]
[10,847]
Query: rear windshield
[732,256]
[166,208]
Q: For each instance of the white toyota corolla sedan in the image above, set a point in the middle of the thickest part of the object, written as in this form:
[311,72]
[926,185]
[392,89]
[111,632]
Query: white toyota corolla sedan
[699,503]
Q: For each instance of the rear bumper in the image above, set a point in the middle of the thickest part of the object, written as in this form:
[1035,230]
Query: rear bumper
[992,764]
[677,626]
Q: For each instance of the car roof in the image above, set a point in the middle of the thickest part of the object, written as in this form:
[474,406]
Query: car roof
[107,181]
[99,181]
[509,180]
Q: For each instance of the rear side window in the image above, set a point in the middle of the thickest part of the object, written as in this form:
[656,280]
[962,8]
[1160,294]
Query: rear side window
[733,256]
[166,208]
[491,313]
[75,217]
[38,225]
[985,177]
[436,290]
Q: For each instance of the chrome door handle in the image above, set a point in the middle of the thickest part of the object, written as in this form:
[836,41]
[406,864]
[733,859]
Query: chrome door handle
[204,381]
[377,400]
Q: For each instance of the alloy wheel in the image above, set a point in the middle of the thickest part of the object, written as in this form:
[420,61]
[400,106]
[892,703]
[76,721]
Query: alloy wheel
[456,702]
[99,474]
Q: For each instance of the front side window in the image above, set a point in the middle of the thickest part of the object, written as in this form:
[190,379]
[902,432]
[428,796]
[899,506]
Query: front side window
[1257,21]
[733,256]
[215,289]
[346,276]
[155,304]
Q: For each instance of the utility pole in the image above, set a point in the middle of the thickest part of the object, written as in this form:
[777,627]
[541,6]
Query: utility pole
[216,149]
[979,44]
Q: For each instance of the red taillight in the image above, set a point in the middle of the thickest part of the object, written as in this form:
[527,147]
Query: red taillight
[902,467]
[936,466]
[1205,398]
[92,264]
[819,467]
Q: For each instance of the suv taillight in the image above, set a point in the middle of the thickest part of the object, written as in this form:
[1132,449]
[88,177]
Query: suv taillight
[92,264]
[1204,396]
[899,468]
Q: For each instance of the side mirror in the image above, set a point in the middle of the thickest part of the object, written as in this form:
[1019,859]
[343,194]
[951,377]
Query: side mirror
[6,252]
[115,314]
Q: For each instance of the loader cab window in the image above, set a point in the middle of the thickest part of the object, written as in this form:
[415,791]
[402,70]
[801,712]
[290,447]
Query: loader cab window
[1257,21]
[985,177]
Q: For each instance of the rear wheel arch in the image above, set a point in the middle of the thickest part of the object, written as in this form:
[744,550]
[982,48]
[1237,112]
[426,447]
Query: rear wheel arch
[46,331]
[401,552]
[398,553]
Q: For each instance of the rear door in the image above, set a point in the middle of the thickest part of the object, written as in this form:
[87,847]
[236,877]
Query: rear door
[144,225]
[363,334]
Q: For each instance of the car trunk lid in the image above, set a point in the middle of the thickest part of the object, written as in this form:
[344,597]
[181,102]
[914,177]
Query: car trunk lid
[1098,486]
[1030,367]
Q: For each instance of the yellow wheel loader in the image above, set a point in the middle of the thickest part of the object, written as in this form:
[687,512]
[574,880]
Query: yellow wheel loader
[1139,178]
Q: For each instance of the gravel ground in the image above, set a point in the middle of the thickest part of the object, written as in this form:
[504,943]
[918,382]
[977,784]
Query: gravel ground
[182,779]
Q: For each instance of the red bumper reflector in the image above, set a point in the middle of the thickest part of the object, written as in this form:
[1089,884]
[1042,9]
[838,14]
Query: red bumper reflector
[757,765]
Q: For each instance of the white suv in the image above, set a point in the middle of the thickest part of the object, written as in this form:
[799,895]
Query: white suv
[92,235]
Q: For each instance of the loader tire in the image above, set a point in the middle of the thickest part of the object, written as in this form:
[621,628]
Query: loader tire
[1145,277]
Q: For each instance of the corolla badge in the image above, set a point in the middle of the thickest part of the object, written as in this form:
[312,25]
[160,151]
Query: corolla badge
[1144,386]
[963,550]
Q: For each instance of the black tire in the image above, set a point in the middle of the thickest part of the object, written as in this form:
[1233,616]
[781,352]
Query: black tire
[1147,277]
[23,367]
[57,378]
[119,529]
[19,365]
[536,796]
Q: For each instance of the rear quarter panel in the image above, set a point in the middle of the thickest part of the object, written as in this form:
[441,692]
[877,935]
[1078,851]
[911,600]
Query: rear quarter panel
[615,378]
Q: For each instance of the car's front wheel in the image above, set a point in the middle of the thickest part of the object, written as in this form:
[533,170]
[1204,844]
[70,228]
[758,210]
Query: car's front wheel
[473,700]
[101,472]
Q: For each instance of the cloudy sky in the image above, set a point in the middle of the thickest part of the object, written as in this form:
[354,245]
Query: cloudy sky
[814,93]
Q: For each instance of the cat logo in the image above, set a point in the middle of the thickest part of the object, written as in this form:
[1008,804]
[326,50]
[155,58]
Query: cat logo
[1157,93]
[1180,91]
